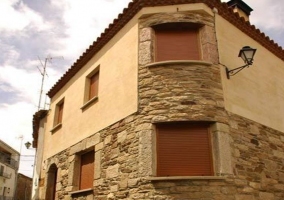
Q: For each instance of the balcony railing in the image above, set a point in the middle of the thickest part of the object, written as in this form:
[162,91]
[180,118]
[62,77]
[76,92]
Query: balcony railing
[6,175]
[6,159]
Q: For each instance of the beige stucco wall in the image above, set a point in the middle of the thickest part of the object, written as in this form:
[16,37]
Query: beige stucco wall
[117,97]
[256,93]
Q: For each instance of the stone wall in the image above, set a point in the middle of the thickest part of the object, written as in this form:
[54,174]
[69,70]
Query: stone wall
[258,159]
[24,188]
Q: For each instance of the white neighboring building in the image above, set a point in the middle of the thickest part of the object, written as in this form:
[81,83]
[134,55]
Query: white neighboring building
[9,165]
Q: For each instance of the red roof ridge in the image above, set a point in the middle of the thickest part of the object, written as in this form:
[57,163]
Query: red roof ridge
[136,5]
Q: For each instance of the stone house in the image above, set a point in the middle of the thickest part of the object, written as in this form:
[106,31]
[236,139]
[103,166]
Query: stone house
[151,110]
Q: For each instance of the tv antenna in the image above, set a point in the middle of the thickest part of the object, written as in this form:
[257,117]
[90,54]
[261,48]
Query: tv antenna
[43,73]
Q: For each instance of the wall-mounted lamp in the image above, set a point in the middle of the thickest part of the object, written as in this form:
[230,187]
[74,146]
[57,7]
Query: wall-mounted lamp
[247,54]
[28,145]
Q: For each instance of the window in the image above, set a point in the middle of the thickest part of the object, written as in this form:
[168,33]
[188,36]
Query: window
[94,85]
[91,88]
[59,114]
[183,149]
[176,41]
[87,170]
[1,170]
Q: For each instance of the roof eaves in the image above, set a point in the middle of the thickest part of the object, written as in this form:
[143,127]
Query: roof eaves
[136,5]
[36,120]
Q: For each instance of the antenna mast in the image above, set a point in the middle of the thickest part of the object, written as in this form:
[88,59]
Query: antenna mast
[43,74]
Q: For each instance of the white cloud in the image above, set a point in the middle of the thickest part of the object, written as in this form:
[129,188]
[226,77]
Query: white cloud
[12,19]
[85,21]
[267,14]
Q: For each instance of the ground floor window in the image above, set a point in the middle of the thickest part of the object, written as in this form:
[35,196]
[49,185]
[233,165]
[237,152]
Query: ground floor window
[183,149]
[87,170]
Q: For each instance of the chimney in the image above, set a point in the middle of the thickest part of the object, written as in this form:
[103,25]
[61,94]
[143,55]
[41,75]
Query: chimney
[240,7]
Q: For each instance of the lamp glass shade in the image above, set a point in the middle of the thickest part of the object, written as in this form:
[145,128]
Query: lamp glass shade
[247,54]
[28,145]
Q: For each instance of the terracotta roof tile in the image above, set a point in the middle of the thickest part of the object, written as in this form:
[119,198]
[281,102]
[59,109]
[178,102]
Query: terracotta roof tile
[136,5]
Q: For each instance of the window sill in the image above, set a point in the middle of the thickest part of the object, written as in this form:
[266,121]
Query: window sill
[90,102]
[81,191]
[56,127]
[179,62]
[186,178]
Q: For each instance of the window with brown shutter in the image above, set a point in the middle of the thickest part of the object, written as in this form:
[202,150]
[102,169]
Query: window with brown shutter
[60,112]
[94,85]
[87,170]
[176,41]
[183,150]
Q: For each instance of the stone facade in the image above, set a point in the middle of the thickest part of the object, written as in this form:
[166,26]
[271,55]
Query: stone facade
[24,188]
[248,157]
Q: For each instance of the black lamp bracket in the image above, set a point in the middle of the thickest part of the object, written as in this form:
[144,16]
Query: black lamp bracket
[232,72]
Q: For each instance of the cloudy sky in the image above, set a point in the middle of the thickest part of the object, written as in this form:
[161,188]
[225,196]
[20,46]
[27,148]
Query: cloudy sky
[31,31]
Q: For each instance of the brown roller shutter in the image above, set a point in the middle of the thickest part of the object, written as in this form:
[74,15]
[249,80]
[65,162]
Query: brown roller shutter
[183,150]
[87,170]
[177,45]
[60,112]
[94,85]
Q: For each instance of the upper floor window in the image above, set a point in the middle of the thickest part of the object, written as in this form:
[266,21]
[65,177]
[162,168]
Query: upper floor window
[177,41]
[94,85]
[59,113]
[183,149]
[91,88]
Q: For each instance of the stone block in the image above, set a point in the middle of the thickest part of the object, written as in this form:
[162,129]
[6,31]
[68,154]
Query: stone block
[220,127]
[244,197]
[99,146]
[145,56]
[121,136]
[107,139]
[92,141]
[146,126]
[255,185]
[67,197]
[90,197]
[112,171]
[123,183]
[228,190]
[279,187]
[279,154]
[254,130]
[133,182]
[222,151]
[145,34]
[114,188]
[266,196]
[97,165]
[77,148]
[275,141]
[71,158]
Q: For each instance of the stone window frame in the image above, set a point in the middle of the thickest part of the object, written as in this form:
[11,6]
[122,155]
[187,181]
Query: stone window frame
[207,38]
[221,150]
[188,125]
[88,144]
[77,168]
[87,101]
[177,28]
